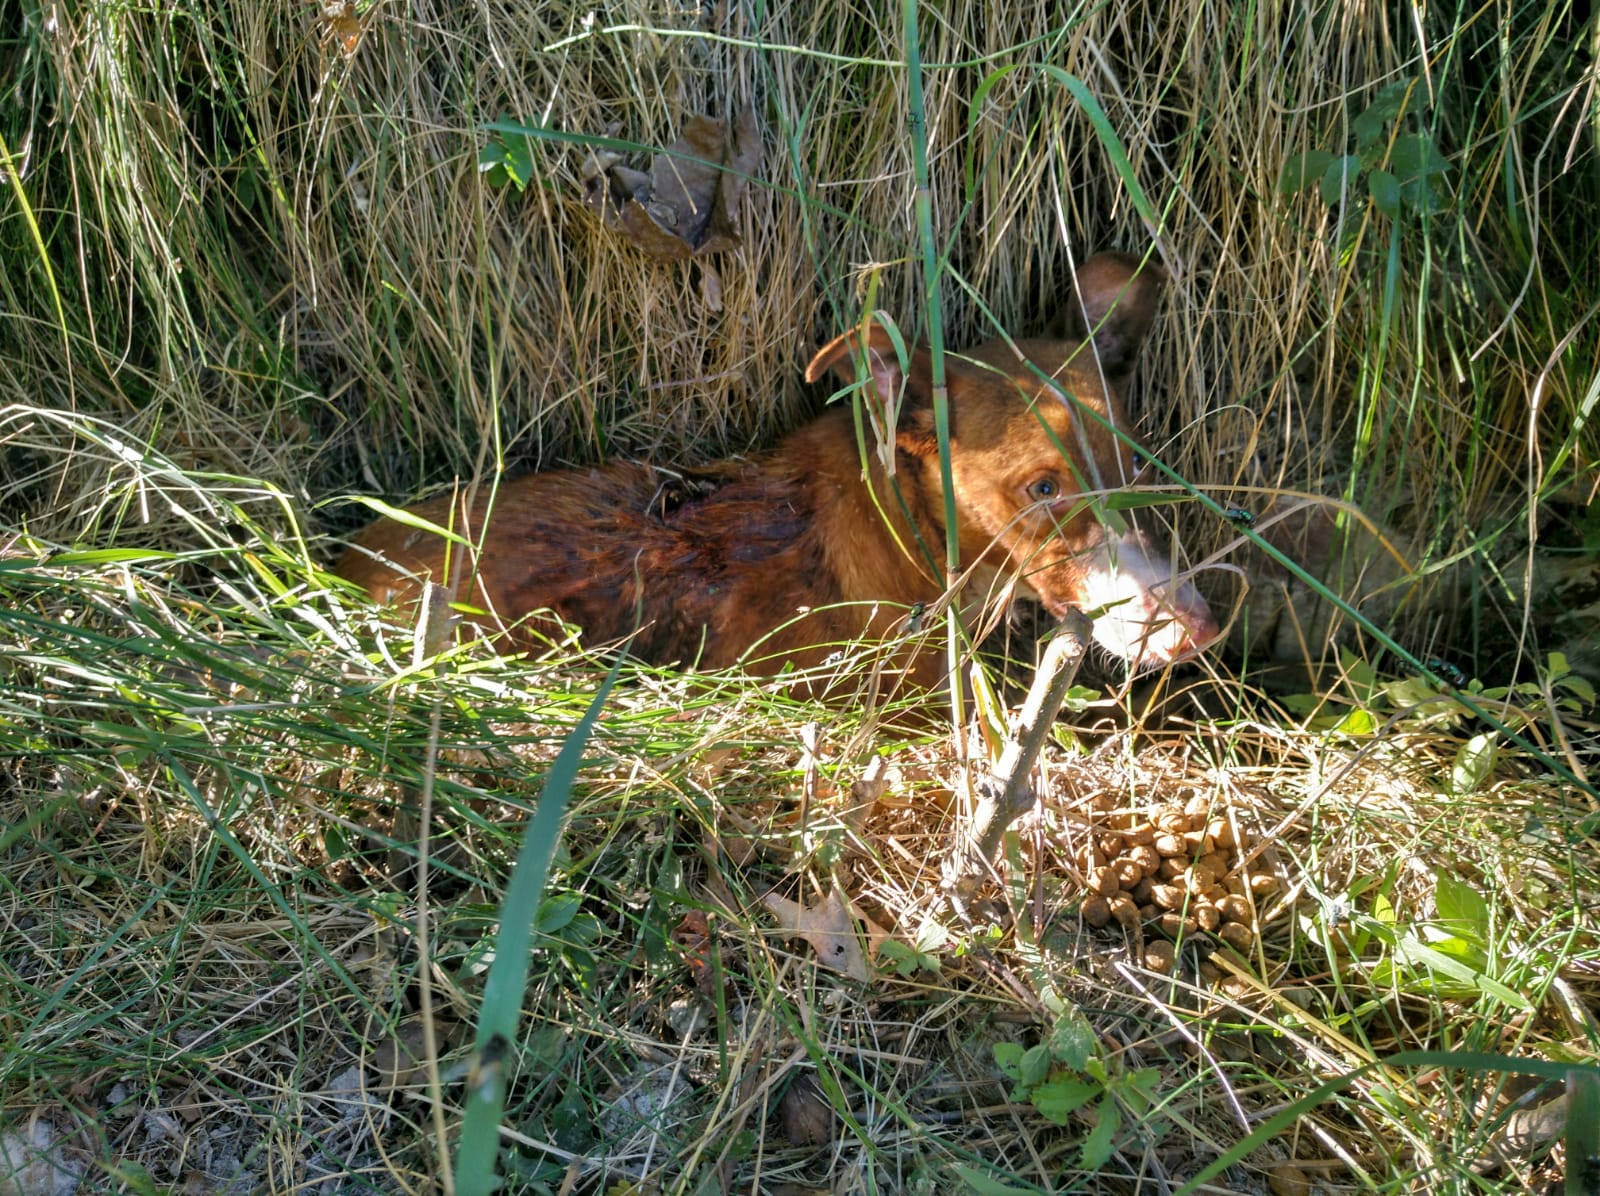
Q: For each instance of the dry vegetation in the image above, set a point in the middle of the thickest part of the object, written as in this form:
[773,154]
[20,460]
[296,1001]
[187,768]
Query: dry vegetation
[255,842]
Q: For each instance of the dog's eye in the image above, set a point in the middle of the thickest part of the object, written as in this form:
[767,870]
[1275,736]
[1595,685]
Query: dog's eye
[1044,489]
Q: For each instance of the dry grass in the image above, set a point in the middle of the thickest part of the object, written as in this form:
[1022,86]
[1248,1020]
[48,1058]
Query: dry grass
[251,265]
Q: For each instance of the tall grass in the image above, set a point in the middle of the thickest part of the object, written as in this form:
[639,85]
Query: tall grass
[249,265]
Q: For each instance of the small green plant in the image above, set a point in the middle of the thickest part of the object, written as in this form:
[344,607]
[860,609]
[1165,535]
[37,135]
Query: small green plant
[1067,1072]
[561,930]
[1456,955]
[1395,155]
[506,159]
[1448,957]
[1414,702]
[1573,693]
[921,954]
[1367,701]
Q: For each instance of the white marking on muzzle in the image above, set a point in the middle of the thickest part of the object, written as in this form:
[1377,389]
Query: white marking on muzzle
[1142,611]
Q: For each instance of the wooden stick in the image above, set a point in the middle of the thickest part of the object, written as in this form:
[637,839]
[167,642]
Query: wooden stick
[1006,793]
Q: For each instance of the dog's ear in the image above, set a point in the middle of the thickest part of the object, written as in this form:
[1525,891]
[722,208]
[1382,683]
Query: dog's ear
[1114,305]
[844,355]
[905,394]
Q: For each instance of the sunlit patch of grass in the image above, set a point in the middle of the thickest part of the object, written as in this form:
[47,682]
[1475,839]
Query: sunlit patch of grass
[248,264]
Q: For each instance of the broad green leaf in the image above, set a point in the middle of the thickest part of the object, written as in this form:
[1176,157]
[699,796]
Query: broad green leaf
[1460,949]
[1357,722]
[1411,950]
[1303,170]
[555,912]
[1356,669]
[1338,177]
[1073,1040]
[1008,1058]
[1301,704]
[1383,909]
[1461,907]
[1578,687]
[1414,156]
[572,1121]
[1034,1066]
[1385,107]
[1475,760]
[1097,1146]
[505,158]
[1139,1088]
[1059,1099]
[1423,196]
[1410,691]
[1385,191]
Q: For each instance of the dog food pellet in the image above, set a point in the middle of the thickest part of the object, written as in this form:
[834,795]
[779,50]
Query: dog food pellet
[1159,956]
[1179,871]
[1237,935]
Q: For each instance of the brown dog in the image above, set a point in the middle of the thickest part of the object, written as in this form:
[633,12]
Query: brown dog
[783,558]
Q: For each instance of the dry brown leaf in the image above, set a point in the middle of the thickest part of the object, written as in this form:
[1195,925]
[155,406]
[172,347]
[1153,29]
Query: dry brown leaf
[692,938]
[828,927]
[401,1058]
[876,933]
[1528,1129]
[342,26]
[808,1118]
[688,203]
[1285,1179]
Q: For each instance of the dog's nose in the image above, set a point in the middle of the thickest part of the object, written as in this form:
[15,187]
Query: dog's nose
[1201,628]
[1179,632]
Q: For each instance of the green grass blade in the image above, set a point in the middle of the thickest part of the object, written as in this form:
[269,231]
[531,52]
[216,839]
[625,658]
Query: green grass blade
[1114,148]
[508,975]
[1583,1132]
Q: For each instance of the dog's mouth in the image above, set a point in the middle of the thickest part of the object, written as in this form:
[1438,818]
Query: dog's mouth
[1141,611]
[1160,640]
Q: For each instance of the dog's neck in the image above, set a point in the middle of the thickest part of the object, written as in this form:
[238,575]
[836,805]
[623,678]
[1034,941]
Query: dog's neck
[883,535]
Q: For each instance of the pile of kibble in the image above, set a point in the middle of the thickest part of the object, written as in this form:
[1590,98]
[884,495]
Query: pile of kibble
[1178,870]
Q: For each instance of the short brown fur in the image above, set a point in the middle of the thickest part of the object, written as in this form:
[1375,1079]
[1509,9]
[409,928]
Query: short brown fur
[790,553]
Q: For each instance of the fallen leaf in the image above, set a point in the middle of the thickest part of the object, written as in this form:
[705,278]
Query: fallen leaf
[1285,1179]
[342,26]
[829,929]
[692,937]
[687,205]
[401,1058]
[808,1118]
[872,785]
[710,289]
[1527,1130]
